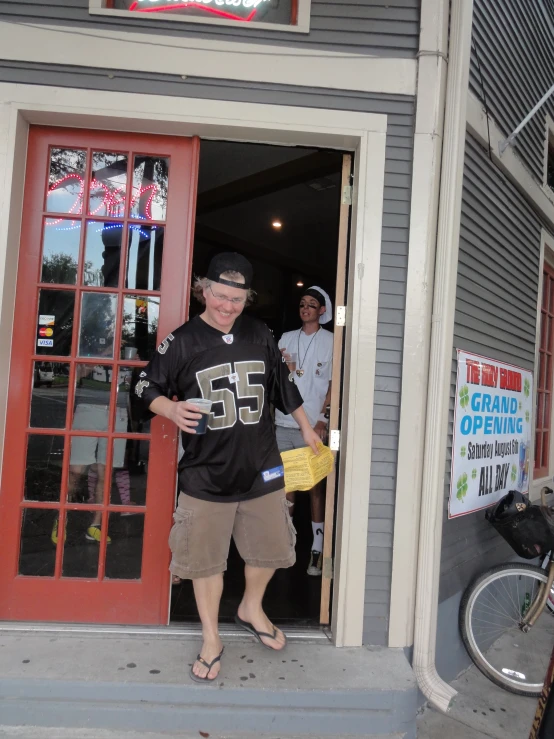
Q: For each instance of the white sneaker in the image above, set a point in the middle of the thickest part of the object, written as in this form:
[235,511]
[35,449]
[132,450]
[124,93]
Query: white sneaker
[316,564]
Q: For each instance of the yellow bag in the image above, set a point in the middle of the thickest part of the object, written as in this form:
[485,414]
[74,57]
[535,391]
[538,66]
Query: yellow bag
[304,469]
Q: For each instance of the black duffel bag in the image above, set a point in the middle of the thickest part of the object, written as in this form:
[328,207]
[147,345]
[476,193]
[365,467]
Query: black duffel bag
[525,526]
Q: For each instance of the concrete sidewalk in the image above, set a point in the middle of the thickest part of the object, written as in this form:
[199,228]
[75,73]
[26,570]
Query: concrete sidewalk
[480,711]
[30,732]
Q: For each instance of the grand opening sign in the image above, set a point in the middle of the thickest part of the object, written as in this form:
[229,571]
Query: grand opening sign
[491,444]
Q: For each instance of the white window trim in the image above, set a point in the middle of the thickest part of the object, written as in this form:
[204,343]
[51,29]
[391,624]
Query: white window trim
[535,485]
[549,136]
[363,133]
[201,58]
[98,7]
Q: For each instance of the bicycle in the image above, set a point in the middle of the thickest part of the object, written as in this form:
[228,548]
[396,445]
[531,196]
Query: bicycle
[506,622]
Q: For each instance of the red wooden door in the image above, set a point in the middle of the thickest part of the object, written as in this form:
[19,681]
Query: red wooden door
[88,485]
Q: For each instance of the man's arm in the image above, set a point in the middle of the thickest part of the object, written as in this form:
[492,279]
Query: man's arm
[185,415]
[322,424]
[311,438]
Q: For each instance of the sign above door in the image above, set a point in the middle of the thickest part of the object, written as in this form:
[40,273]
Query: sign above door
[291,15]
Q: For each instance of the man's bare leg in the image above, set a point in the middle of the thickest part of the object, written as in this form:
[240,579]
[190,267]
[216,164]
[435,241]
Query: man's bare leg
[251,610]
[207,591]
[99,493]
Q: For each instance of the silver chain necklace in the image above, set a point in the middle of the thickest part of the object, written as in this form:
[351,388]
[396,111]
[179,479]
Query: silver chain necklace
[300,371]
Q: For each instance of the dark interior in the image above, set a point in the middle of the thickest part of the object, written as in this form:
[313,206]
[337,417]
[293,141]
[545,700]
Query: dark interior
[243,189]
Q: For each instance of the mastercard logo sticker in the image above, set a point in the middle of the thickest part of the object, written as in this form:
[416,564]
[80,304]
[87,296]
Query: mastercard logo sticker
[45,331]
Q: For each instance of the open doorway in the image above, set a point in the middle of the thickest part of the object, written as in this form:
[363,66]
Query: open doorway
[281,208]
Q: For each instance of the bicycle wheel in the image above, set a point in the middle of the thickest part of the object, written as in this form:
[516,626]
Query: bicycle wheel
[490,615]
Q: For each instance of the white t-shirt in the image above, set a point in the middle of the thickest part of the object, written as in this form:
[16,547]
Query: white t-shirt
[315,357]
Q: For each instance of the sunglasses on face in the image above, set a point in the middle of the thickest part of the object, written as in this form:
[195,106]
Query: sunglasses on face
[309,305]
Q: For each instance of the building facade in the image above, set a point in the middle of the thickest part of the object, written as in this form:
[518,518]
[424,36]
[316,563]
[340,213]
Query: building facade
[442,232]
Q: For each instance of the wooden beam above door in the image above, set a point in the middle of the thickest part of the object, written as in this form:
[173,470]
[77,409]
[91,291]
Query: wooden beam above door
[305,169]
[263,253]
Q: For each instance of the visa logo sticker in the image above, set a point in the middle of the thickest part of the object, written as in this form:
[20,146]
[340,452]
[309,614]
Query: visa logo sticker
[45,342]
[273,474]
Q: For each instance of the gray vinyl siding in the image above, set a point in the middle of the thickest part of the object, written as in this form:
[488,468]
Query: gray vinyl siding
[394,259]
[496,313]
[514,43]
[372,27]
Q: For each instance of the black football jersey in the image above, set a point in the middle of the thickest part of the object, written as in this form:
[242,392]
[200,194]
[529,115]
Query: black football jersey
[242,373]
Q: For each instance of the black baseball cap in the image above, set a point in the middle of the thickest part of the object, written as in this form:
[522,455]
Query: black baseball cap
[230,262]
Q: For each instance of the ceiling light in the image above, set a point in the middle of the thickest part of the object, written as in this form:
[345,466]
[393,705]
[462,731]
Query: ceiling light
[277,224]
[299,284]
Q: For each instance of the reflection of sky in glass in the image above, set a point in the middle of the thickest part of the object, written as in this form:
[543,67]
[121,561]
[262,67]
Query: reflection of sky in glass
[60,239]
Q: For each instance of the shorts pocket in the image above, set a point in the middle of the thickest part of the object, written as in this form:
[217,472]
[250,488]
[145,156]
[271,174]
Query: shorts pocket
[288,520]
[179,536]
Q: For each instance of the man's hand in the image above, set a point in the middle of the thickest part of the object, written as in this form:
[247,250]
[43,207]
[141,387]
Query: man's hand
[185,415]
[312,439]
[288,359]
[321,430]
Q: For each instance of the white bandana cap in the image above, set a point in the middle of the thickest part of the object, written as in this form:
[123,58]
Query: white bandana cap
[328,315]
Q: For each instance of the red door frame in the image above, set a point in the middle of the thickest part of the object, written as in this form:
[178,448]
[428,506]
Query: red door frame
[143,601]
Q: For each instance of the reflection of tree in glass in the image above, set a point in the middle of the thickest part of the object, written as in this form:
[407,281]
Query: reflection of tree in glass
[64,162]
[140,327]
[60,268]
[149,171]
[97,325]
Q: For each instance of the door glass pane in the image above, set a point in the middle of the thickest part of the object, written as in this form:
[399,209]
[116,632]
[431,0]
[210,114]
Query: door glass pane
[66,181]
[43,469]
[102,254]
[130,473]
[55,322]
[108,185]
[140,327]
[60,251]
[37,553]
[127,399]
[49,398]
[81,550]
[144,262]
[87,469]
[124,555]
[150,178]
[92,397]
[98,311]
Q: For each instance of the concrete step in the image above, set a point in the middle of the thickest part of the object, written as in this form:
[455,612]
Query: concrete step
[128,683]
[39,732]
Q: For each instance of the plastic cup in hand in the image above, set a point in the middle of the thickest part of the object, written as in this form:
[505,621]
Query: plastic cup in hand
[204,406]
[293,358]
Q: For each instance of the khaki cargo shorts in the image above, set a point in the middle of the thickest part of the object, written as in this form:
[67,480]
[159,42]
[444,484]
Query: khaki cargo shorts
[201,535]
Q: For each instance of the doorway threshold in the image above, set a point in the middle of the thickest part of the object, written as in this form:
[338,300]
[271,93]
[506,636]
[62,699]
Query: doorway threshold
[192,631]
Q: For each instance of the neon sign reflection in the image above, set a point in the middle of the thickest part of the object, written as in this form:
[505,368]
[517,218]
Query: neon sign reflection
[211,6]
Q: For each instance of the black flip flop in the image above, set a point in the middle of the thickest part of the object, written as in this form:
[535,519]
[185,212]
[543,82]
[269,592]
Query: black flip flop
[258,634]
[209,665]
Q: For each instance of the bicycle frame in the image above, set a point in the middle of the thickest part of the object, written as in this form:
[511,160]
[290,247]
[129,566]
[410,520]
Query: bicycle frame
[536,608]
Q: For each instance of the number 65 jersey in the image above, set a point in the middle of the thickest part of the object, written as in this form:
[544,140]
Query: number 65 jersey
[241,373]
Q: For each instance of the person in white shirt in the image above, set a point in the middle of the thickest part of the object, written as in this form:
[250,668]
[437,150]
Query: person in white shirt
[308,352]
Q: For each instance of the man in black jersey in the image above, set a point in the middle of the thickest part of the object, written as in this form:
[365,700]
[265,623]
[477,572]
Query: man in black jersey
[231,479]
